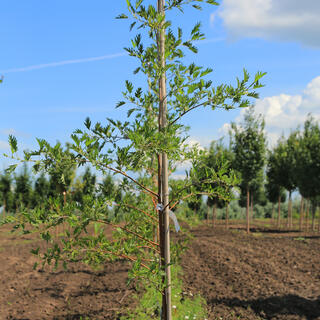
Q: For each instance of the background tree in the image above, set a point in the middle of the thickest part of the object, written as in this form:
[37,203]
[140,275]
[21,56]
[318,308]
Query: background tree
[274,189]
[219,156]
[61,174]
[6,192]
[23,189]
[41,191]
[84,186]
[286,154]
[307,154]
[249,146]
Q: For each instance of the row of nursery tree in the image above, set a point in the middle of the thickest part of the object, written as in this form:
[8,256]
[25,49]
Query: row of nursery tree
[263,177]
[143,150]
[269,175]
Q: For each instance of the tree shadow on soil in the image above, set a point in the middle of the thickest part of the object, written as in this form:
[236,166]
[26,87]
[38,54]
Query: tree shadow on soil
[268,308]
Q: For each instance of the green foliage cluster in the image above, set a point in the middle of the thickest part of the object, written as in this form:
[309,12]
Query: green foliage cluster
[184,304]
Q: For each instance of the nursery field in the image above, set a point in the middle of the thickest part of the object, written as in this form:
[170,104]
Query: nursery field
[269,274]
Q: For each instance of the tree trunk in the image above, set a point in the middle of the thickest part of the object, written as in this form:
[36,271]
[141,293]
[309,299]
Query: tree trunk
[301,213]
[279,211]
[251,207]
[208,211]
[164,185]
[272,214]
[289,211]
[227,216]
[313,211]
[247,213]
[307,214]
[214,209]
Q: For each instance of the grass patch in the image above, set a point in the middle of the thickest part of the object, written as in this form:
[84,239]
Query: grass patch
[185,305]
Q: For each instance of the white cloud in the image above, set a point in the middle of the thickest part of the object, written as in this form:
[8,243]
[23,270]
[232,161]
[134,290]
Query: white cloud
[194,142]
[4,145]
[224,130]
[284,113]
[285,20]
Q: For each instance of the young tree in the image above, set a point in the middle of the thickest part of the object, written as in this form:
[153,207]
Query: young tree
[84,186]
[219,157]
[41,191]
[249,147]
[274,189]
[156,132]
[307,173]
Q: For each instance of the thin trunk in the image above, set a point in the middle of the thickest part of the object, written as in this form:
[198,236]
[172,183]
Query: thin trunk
[289,211]
[227,216]
[301,213]
[214,209]
[208,215]
[313,211]
[164,186]
[247,213]
[251,207]
[272,214]
[307,214]
[318,220]
[279,211]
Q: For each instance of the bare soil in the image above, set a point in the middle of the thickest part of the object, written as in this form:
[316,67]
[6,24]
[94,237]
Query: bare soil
[269,274]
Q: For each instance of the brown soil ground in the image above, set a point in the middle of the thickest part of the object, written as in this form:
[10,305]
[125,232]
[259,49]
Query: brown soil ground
[269,274]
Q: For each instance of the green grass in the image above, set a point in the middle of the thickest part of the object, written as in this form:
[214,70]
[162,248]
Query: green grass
[185,305]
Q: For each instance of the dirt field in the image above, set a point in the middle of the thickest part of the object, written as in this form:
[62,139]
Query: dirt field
[267,275]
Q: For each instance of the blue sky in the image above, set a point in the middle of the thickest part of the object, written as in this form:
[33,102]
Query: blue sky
[63,61]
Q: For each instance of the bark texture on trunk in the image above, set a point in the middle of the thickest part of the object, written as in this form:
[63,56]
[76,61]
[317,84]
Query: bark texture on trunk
[163,178]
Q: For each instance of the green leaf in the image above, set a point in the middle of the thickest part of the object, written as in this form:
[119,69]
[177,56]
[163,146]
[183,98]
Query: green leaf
[35,251]
[87,123]
[215,3]
[129,86]
[11,168]
[122,16]
[120,103]
[197,7]
[13,144]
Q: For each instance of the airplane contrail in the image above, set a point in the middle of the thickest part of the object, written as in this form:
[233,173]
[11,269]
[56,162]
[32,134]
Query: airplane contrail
[64,62]
[74,61]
